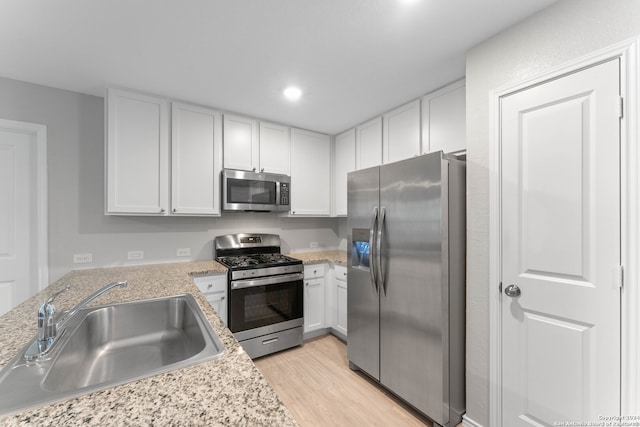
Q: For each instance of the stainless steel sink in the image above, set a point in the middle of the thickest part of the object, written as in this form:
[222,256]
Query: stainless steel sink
[109,345]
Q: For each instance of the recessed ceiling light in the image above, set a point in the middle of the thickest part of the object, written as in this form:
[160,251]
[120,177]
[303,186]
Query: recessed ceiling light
[292,93]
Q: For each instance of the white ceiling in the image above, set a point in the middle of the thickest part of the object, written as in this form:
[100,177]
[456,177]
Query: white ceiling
[353,59]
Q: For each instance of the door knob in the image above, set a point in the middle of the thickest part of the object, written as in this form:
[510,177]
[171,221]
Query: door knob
[512,291]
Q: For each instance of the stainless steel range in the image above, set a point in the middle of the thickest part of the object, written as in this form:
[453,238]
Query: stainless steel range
[265,292]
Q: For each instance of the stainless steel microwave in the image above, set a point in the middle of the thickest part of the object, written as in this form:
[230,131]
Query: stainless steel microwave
[255,191]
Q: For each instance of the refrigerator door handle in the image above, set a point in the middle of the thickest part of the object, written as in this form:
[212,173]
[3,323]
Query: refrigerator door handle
[372,241]
[381,226]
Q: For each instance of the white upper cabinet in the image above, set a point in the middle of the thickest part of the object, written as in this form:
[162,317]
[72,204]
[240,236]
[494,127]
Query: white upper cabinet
[345,162]
[137,154]
[310,173]
[401,127]
[196,160]
[275,149]
[444,119]
[241,145]
[369,144]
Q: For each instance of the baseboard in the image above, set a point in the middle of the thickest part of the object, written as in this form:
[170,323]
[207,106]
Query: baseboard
[468,422]
[315,334]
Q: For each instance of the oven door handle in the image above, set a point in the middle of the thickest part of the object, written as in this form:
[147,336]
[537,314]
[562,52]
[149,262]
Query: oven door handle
[271,280]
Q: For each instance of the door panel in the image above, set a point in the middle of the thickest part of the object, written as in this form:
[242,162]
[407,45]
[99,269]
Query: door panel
[560,242]
[363,306]
[413,306]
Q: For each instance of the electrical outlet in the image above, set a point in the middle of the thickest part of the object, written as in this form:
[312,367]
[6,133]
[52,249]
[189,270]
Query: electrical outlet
[183,252]
[313,245]
[135,255]
[82,258]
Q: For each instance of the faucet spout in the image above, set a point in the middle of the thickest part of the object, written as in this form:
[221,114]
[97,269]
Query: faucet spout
[69,314]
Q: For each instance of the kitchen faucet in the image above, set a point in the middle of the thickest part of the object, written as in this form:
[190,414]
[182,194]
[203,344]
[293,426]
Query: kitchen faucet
[48,326]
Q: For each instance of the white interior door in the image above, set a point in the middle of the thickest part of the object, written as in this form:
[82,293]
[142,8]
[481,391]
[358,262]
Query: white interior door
[21,228]
[560,195]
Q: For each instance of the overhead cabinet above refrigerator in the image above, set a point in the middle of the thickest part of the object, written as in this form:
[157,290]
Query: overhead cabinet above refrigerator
[406,273]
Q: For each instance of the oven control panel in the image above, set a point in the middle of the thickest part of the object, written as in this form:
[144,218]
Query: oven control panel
[251,239]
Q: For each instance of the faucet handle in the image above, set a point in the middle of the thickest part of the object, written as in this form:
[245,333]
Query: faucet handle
[46,318]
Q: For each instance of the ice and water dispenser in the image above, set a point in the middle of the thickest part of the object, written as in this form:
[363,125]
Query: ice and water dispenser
[360,248]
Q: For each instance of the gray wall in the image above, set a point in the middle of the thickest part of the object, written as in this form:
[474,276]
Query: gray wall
[75,140]
[565,31]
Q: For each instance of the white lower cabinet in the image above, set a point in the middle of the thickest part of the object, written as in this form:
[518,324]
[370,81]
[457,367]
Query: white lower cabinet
[340,324]
[214,288]
[314,297]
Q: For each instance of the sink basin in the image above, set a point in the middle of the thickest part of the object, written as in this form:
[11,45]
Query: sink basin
[109,345]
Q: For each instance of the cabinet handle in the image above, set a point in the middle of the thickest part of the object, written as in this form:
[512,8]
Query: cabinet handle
[175,210]
[254,169]
[209,286]
[161,210]
[222,299]
[262,170]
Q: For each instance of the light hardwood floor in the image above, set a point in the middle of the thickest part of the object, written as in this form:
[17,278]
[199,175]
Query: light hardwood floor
[314,381]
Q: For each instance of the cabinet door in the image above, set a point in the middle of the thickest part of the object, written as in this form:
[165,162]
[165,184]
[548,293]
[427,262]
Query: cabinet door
[275,149]
[444,119]
[401,133]
[313,304]
[214,288]
[196,160]
[218,301]
[310,173]
[137,154]
[369,144]
[345,162]
[240,143]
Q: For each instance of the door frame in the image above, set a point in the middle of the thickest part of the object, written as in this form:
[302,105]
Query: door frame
[629,53]
[42,240]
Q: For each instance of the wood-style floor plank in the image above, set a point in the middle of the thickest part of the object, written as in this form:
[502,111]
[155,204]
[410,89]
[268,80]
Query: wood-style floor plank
[314,381]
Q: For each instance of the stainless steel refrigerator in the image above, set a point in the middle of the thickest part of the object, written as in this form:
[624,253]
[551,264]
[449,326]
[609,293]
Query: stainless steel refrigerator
[406,281]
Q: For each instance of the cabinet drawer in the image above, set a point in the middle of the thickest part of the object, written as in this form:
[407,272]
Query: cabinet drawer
[207,284]
[341,272]
[314,270]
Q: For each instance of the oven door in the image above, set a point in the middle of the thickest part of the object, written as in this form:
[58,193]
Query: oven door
[265,305]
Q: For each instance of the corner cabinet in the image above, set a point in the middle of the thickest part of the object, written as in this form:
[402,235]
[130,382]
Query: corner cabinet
[196,160]
[137,154]
[345,162]
[310,173]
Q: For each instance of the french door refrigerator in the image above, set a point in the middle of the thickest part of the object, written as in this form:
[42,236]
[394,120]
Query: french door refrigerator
[406,281]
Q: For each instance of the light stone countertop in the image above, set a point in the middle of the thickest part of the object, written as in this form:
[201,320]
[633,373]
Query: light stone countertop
[335,256]
[229,391]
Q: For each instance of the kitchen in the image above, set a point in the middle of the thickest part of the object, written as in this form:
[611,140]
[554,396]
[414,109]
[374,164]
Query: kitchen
[77,224]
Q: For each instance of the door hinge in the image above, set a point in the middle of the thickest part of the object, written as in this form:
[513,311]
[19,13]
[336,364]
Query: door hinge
[621,107]
[618,276]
